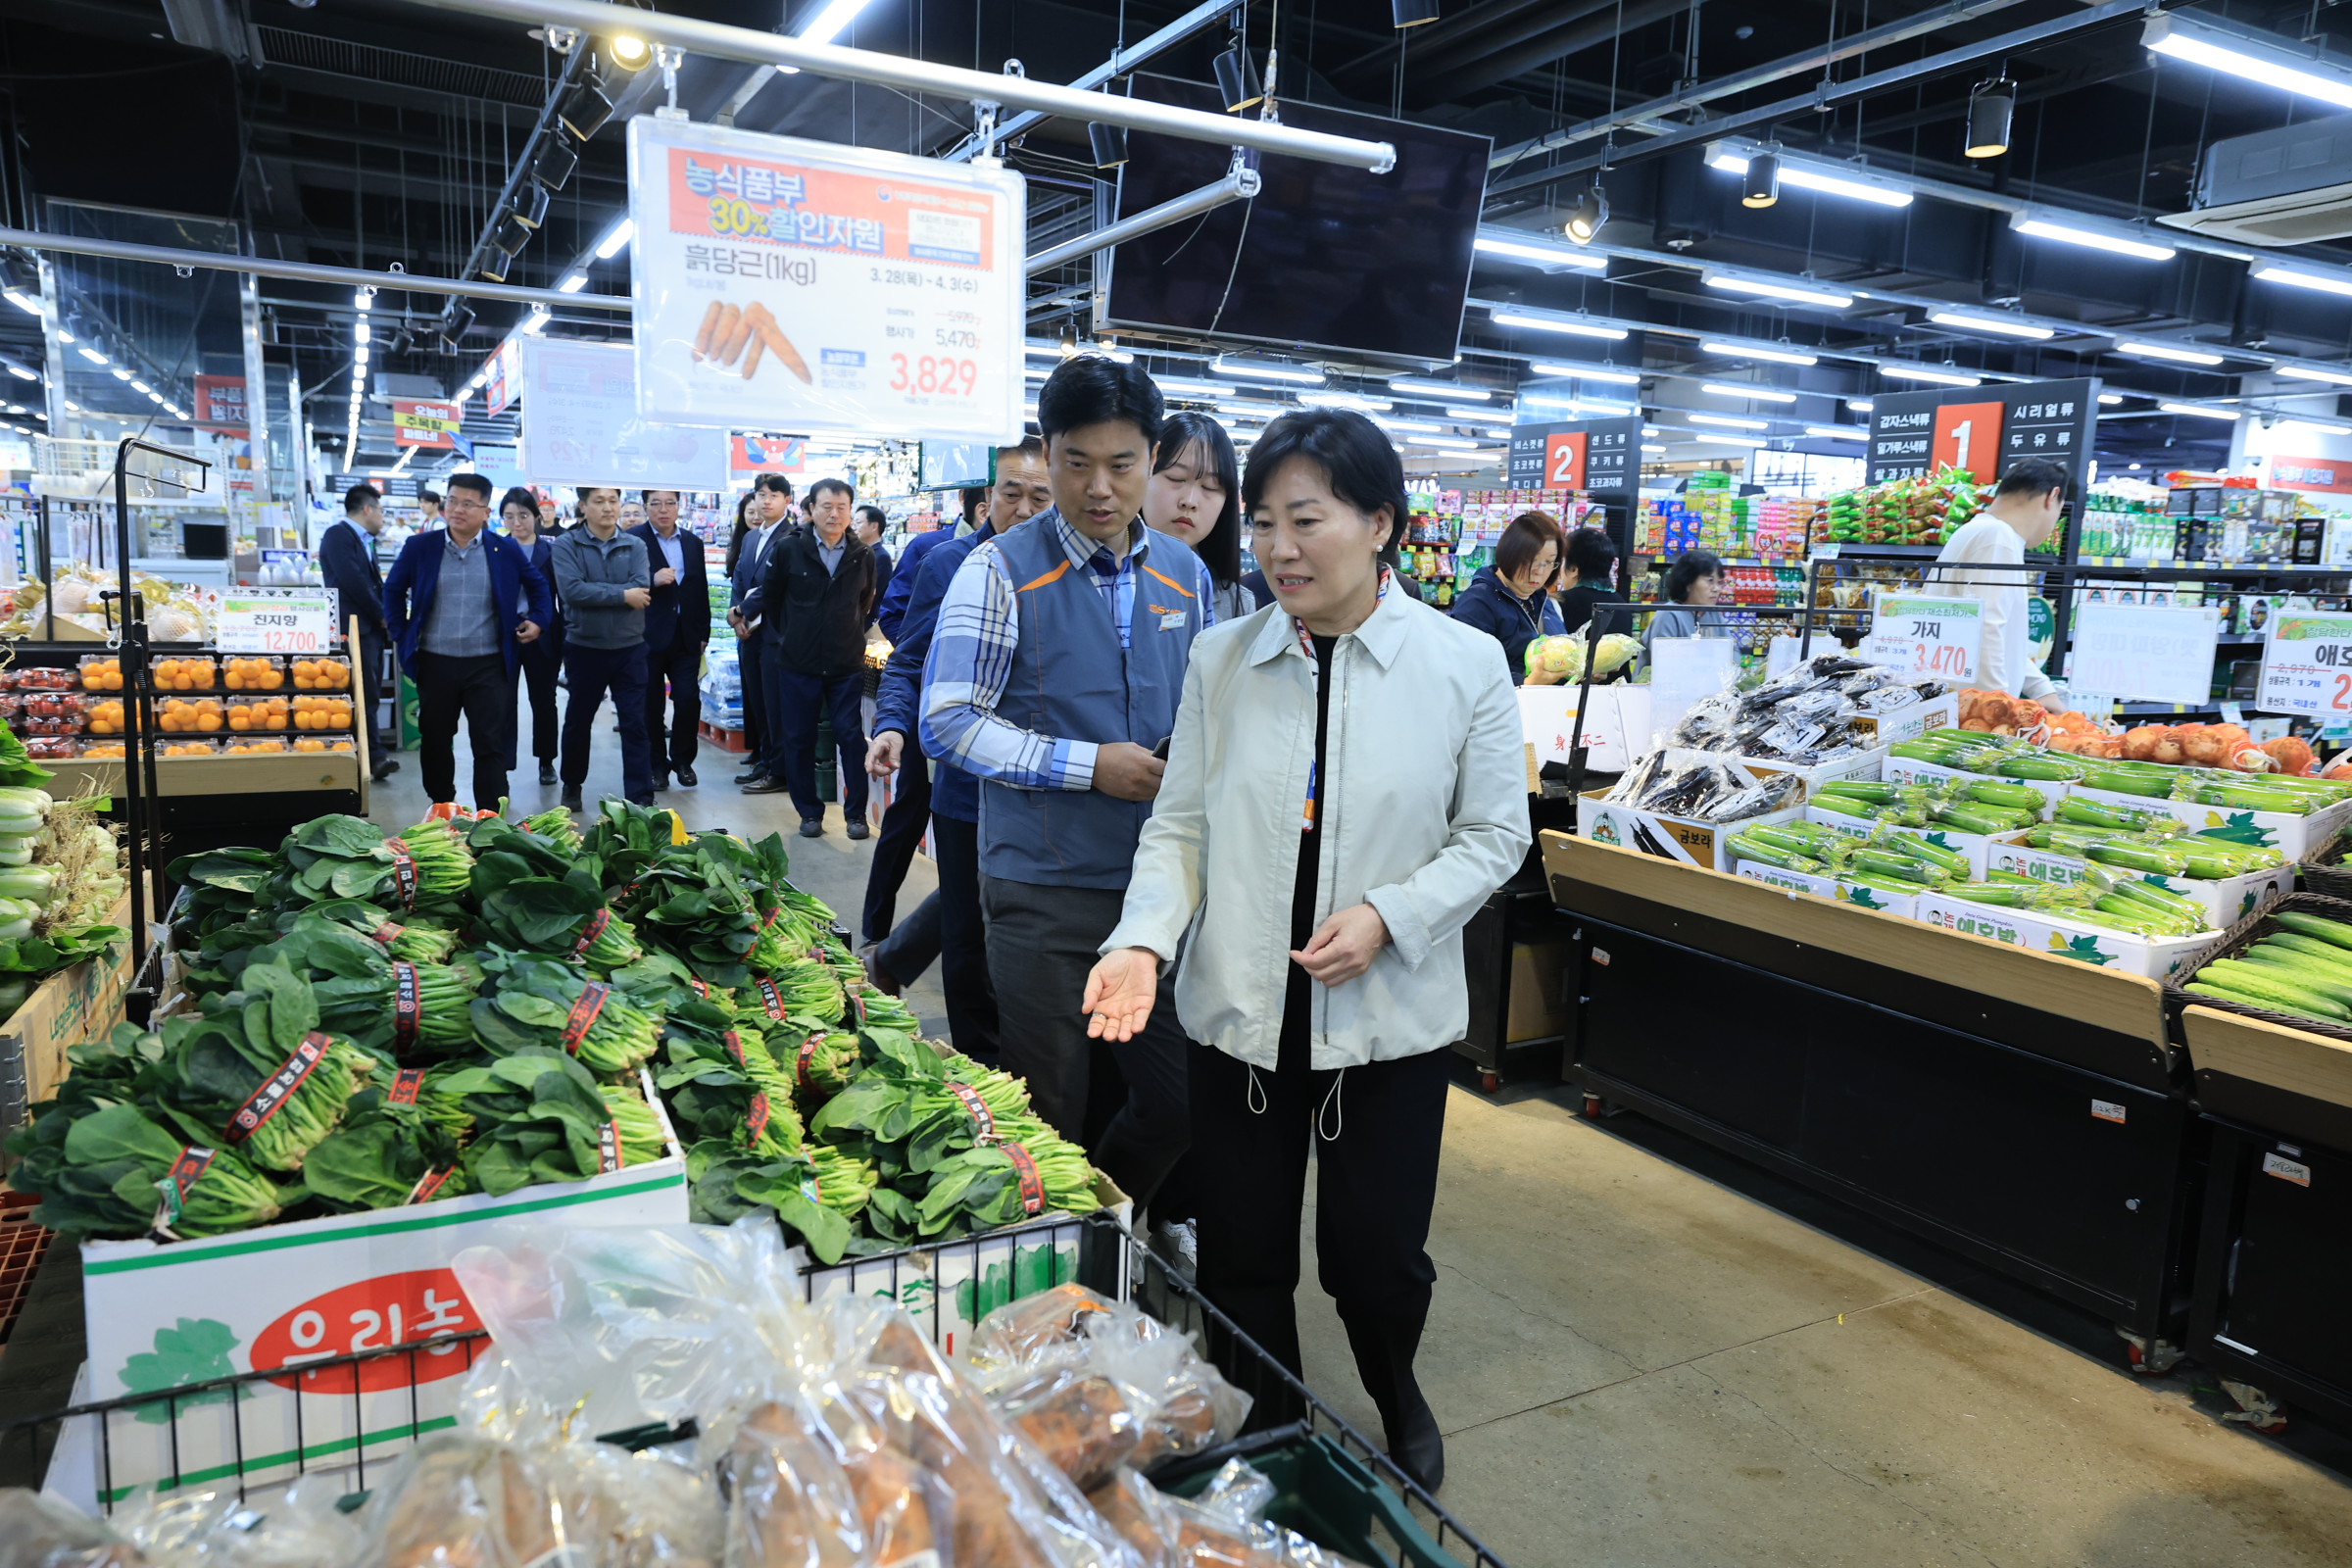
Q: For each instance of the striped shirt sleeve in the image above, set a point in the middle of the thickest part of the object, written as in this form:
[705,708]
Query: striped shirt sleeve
[964,680]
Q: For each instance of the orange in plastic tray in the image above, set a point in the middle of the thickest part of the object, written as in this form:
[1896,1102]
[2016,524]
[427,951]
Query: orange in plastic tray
[179,715]
[321,674]
[248,673]
[197,674]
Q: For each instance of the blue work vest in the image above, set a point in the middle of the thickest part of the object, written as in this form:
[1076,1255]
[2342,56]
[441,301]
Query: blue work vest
[1070,678]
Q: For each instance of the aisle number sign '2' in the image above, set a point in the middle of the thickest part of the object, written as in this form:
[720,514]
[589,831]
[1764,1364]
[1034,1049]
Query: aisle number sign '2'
[787,285]
[1927,635]
[2307,665]
[1564,459]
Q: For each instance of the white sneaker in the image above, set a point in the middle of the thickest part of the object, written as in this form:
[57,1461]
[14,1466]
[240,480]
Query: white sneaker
[1178,1241]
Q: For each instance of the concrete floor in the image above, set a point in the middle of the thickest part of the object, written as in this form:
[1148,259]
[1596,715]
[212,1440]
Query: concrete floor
[1643,1353]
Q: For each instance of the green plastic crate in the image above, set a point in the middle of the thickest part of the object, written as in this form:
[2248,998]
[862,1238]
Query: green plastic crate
[1326,1495]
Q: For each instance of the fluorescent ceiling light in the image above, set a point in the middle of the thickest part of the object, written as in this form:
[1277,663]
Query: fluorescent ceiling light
[1652,446]
[1346,400]
[1584,372]
[1761,394]
[92,354]
[1266,371]
[121,373]
[1424,426]
[1921,372]
[2111,399]
[825,27]
[1541,255]
[1736,351]
[1729,422]
[2202,413]
[536,322]
[1837,432]
[140,386]
[64,337]
[364,300]
[1700,437]
[1443,389]
[1477,414]
[20,373]
[361,354]
[1188,386]
[570,285]
[2318,280]
[615,238]
[23,301]
[1990,323]
[2158,351]
[2274,62]
[1782,291]
[2309,372]
[1860,405]
[2316,426]
[1804,178]
[1557,323]
[2091,238]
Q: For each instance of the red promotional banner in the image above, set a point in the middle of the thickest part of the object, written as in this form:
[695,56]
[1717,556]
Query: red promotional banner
[2311,473]
[221,403]
[767,454]
[826,210]
[424,424]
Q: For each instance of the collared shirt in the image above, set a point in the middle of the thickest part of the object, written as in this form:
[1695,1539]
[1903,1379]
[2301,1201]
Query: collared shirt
[463,622]
[971,658]
[831,555]
[673,550]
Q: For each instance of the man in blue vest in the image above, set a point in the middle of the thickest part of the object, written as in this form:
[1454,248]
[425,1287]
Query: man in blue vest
[1053,676]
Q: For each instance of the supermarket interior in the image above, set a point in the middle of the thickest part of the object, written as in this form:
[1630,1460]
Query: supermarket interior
[1175,783]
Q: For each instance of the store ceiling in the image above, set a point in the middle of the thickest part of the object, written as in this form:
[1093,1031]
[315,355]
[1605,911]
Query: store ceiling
[370,132]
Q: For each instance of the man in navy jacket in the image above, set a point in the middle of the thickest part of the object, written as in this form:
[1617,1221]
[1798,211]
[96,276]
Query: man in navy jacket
[347,564]
[460,604]
[677,628]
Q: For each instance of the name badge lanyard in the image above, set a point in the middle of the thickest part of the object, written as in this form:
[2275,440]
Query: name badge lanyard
[1314,768]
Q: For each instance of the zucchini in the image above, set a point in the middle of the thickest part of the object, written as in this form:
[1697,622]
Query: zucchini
[1987,820]
[2139,858]
[2098,813]
[2051,769]
[2116,782]
[1950,860]
[1745,848]
[1886,862]
[2142,891]
[2015,797]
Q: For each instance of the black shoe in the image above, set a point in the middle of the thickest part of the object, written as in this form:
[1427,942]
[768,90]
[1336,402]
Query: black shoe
[751,774]
[761,784]
[660,783]
[686,778]
[572,799]
[811,828]
[383,770]
[1383,1359]
[858,828]
[641,800]
[547,772]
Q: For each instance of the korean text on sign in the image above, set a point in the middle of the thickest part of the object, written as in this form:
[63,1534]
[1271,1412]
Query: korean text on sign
[2307,665]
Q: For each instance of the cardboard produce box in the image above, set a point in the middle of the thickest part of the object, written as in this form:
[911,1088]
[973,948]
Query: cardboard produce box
[2168,957]
[1978,847]
[2294,836]
[2226,900]
[1827,887]
[1673,838]
[1910,723]
[2052,791]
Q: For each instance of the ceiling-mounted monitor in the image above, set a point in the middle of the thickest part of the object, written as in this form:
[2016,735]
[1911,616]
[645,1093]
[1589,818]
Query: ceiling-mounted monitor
[1364,265]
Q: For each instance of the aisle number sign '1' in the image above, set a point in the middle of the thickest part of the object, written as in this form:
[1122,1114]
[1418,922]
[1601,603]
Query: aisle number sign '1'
[799,285]
[1927,636]
[2307,665]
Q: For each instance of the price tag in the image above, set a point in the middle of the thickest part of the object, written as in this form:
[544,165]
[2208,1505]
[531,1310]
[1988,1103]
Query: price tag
[2307,665]
[1926,635]
[1684,670]
[2145,653]
[258,620]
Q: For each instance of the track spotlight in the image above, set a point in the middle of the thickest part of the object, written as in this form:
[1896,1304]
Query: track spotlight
[1237,80]
[1591,210]
[1760,185]
[1991,105]
[585,109]
[554,161]
[628,52]
[1109,143]
[1411,13]
[512,236]
[530,206]
[456,323]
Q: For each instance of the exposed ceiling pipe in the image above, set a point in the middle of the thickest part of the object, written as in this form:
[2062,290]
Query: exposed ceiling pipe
[1649,117]
[1523,24]
[1239,185]
[1570,36]
[1828,93]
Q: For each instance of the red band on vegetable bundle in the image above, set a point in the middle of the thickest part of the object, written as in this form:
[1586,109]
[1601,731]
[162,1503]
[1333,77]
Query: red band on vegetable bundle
[772,996]
[431,1182]
[404,872]
[405,1009]
[583,1014]
[405,1085]
[593,929]
[387,933]
[701,987]
[280,1085]
[1033,1186]
[756,1123]
[187,1171]
[808,1054]
[735,1046]
[608,1146]
[985,1123]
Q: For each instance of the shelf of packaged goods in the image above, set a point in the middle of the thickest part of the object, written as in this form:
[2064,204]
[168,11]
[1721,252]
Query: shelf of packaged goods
[2240,567]
[1662,562]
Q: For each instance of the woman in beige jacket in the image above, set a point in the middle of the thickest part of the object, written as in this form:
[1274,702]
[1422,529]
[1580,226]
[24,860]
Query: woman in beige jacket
[1344,790]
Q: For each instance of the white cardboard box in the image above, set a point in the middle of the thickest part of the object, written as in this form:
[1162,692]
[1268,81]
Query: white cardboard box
[1673,838]
[2226,900]
[2294,836]
[2166,959]
[2051,791]
[1978,847]
[1824,887]
[1866,764]
[1910,723]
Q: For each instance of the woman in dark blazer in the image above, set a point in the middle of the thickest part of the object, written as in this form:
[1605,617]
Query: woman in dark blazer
[518,510]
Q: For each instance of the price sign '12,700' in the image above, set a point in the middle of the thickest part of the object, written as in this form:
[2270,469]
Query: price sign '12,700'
[1927,635]
[277,623]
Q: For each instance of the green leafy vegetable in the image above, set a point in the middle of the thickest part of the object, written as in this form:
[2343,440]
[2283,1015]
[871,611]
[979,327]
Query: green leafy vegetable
[532,1003]
[252,1070]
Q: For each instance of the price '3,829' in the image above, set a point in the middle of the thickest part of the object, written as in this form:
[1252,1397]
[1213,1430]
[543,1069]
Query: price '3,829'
[930,372]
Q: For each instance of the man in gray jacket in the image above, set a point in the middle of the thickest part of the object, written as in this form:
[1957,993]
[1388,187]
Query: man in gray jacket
[605,583]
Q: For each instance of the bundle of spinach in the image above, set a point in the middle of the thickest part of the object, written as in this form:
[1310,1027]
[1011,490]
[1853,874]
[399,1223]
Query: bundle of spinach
[224,887]
[383,1004]
[531,1002]
[690,902]
[625,838]
[722,1084]
[254,1071]
[802,921]
[390,1152]
[539,1116]
[105,1072]
[797,989]
[1002,1184]
[880,1010]
[119,1175]
[919,1107]
[817,1195]
[555,825]
[414,941]
[561,920]
[822,1065]
[339,857]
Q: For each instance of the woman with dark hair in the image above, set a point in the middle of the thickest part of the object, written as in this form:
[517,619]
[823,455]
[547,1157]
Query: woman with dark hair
[1588,579]
[1360,754]
[518,511]
[743,525]
[1694,579]
[1196,495]
[1510,601]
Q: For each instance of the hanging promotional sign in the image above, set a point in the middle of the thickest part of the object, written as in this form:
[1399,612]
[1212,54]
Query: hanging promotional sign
[580,424]
[2307,665]
[502,377]
[221,403]
[1927,635]
[426,424]
[1579,455]
[810,286]
[768,454]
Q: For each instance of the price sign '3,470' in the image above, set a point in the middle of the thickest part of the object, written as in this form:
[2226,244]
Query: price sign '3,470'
[1927,635]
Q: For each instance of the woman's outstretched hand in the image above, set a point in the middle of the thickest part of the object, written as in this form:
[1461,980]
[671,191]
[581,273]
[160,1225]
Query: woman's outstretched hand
[1342,947]
[1119,993]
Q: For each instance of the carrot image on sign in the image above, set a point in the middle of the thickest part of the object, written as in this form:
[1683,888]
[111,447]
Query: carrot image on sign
[749,333]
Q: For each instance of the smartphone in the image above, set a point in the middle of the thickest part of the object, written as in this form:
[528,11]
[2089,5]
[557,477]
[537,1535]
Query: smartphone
[1161,749]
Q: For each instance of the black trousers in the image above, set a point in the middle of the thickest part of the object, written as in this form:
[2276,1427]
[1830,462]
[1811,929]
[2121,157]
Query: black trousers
[588,673]
[481,690]
[750,667]
[1375,1132]
[541,660]
[381,743]
[1042,942]
[964,972]
[903,823]
[797,703]
[672,738]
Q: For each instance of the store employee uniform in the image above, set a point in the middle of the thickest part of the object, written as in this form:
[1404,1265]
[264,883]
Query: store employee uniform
[452,610]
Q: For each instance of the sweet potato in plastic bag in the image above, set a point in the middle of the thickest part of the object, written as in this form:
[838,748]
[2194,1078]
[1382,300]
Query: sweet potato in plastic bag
[1172,1533]
[1015,1333]
[467,1501]
[302,1525]
[36,1532]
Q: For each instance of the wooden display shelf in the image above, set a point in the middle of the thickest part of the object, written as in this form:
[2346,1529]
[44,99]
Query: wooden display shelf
[260,774]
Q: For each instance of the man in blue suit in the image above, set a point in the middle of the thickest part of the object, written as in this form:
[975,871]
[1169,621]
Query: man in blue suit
[771,517]
[677,628]
[347,563]
[460,604]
